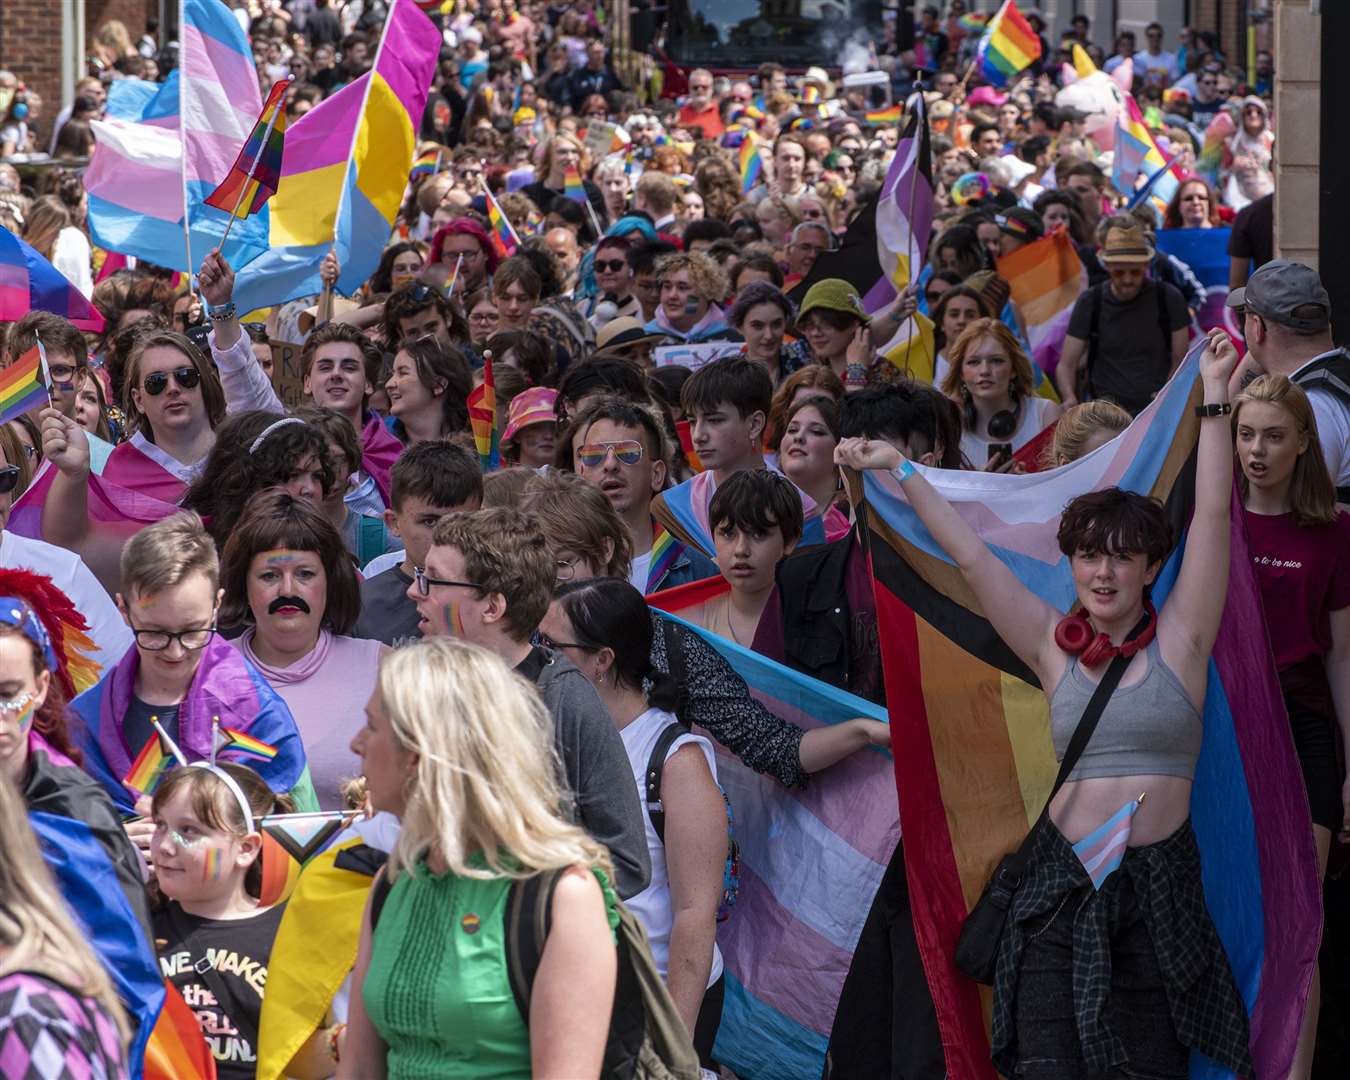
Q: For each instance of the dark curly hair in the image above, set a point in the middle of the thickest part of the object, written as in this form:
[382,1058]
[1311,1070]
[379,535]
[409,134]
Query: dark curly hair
[232,474]
[1118,522]
[435,365]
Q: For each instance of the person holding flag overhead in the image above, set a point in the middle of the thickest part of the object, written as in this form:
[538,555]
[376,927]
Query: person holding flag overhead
[1122,970]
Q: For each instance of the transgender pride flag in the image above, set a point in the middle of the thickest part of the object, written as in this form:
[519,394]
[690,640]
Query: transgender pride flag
[1103,850]
[811,863]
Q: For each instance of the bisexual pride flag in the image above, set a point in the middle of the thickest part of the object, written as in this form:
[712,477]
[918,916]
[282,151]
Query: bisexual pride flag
[812,859]
[971,728]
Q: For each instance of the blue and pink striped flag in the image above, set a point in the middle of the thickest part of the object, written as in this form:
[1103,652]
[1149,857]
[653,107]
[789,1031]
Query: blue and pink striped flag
[1103,850]
[812,860]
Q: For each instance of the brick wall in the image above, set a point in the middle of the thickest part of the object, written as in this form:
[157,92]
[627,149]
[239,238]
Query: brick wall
[30,46]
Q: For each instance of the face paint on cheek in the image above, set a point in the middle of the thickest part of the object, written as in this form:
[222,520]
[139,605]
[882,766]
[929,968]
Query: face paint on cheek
[213,866]
[25,720]
[453,622]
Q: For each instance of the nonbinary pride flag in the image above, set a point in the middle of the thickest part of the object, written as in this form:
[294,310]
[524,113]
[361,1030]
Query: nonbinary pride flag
[974,757]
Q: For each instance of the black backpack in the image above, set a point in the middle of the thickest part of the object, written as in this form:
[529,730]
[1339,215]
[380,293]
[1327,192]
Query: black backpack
[647,1039]
[1084,387]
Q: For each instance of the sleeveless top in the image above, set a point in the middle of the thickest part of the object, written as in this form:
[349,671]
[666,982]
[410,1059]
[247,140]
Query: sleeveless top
[1150,728]
[447,1011]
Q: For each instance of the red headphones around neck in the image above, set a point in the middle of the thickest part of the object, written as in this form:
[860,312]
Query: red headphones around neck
[1076,635]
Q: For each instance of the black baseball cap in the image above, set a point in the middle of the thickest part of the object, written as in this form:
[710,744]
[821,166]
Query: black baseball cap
[1280,288]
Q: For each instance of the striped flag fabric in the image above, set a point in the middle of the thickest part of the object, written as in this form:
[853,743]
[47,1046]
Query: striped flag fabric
[974,757]
[812,860]
[345,171]
[1103,850]
[1009,46]
[28,282]
[573,188]
[150,766]
[429,164]
[483,419]
[254,176]
[1046,277]
[233,739]
[904,210]
[503,236]
[751,162]
[683,510]
[1210,158]
[890,115]
[1136,154]
[23,385]
[177,1049]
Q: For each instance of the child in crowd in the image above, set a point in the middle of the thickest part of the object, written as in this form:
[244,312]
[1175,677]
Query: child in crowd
[213,934]
[531,428]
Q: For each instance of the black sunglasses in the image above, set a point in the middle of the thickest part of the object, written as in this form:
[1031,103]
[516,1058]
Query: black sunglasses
[9,479]
[187,377]
[610,266]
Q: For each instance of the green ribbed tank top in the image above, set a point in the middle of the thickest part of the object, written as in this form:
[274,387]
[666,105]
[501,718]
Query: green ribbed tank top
[436,989]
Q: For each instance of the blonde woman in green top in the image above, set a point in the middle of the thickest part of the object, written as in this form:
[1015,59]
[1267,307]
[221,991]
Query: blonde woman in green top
[461,749]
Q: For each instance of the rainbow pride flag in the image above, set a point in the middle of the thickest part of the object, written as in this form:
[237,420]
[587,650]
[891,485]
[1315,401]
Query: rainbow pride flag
[1046,277]
[177,1049]
[889,115]
[1009,46]
[751,162]
[1210,158]
[256,172]
[346,170]
[428,164]
[483,419]
[503,236]
[150,766]
[573,188]
[971,729]
[233,739]
[23,385]
[812,859]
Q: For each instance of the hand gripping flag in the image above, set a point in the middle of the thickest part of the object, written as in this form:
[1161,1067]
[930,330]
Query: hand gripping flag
[256,172]
[974,758]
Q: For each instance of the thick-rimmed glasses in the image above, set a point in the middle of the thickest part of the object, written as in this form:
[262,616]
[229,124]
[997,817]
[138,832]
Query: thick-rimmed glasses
[424,583]
[159,640]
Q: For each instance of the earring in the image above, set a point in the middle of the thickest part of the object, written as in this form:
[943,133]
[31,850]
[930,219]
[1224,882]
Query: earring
[599,678]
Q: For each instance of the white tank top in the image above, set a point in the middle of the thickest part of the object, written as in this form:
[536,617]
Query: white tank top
[652,904]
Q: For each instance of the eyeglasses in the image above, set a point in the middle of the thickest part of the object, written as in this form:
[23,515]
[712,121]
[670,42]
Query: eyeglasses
[17,704]
[9,478]
[1195,196]
[485,317]
[593,455]
[548,643]
[609,266]
[424,583]
[159,640]
[566,568]
[187,377]
[64,372]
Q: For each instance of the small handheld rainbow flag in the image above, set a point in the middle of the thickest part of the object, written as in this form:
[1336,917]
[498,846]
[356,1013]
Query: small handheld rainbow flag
[483,418]
[23,385]
[889,115]
[428,164]
[750,161]
[504,237]
[573,188]
[149,767]
[1009,45]
[256,172]
[244,743]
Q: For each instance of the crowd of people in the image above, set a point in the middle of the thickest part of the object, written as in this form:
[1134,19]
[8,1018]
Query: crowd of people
[347,609]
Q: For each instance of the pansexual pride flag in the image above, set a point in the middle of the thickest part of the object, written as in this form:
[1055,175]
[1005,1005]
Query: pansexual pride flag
[1009,46]
[1046,277]
[345,171]
[254,176]
[23,385]
[974,758]
[811,862]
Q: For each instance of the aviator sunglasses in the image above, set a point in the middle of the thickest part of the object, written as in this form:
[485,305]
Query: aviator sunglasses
[187,377]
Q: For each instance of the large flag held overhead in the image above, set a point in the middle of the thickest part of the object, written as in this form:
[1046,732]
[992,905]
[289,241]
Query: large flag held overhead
[1205,251]
[974,759]
[811,863]
[345,172]
[1009,46]
[1046,277]
[28,282]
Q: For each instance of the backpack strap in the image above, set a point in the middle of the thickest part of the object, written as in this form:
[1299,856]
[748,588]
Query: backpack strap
[379,893]
[656,765]
[370,538]
[529,914]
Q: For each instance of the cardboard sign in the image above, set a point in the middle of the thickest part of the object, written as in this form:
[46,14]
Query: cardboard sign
[695,356]
[288,376]
[600,138]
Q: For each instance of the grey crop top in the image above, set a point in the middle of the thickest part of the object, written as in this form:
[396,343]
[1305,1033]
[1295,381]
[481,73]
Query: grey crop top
[1150,728]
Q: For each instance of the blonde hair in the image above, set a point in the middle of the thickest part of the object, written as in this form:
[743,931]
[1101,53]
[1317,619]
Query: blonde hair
[704,273]
[1312,496]
[487,774]
[36,929]
[167,553]
[1077,424]
[1023,380]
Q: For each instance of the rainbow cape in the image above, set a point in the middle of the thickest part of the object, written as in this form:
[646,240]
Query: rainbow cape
[254,176]
[1009,46]
[1046,277]
[974,760]
[225,686]
[683,511]
[812,860]
[23,385]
